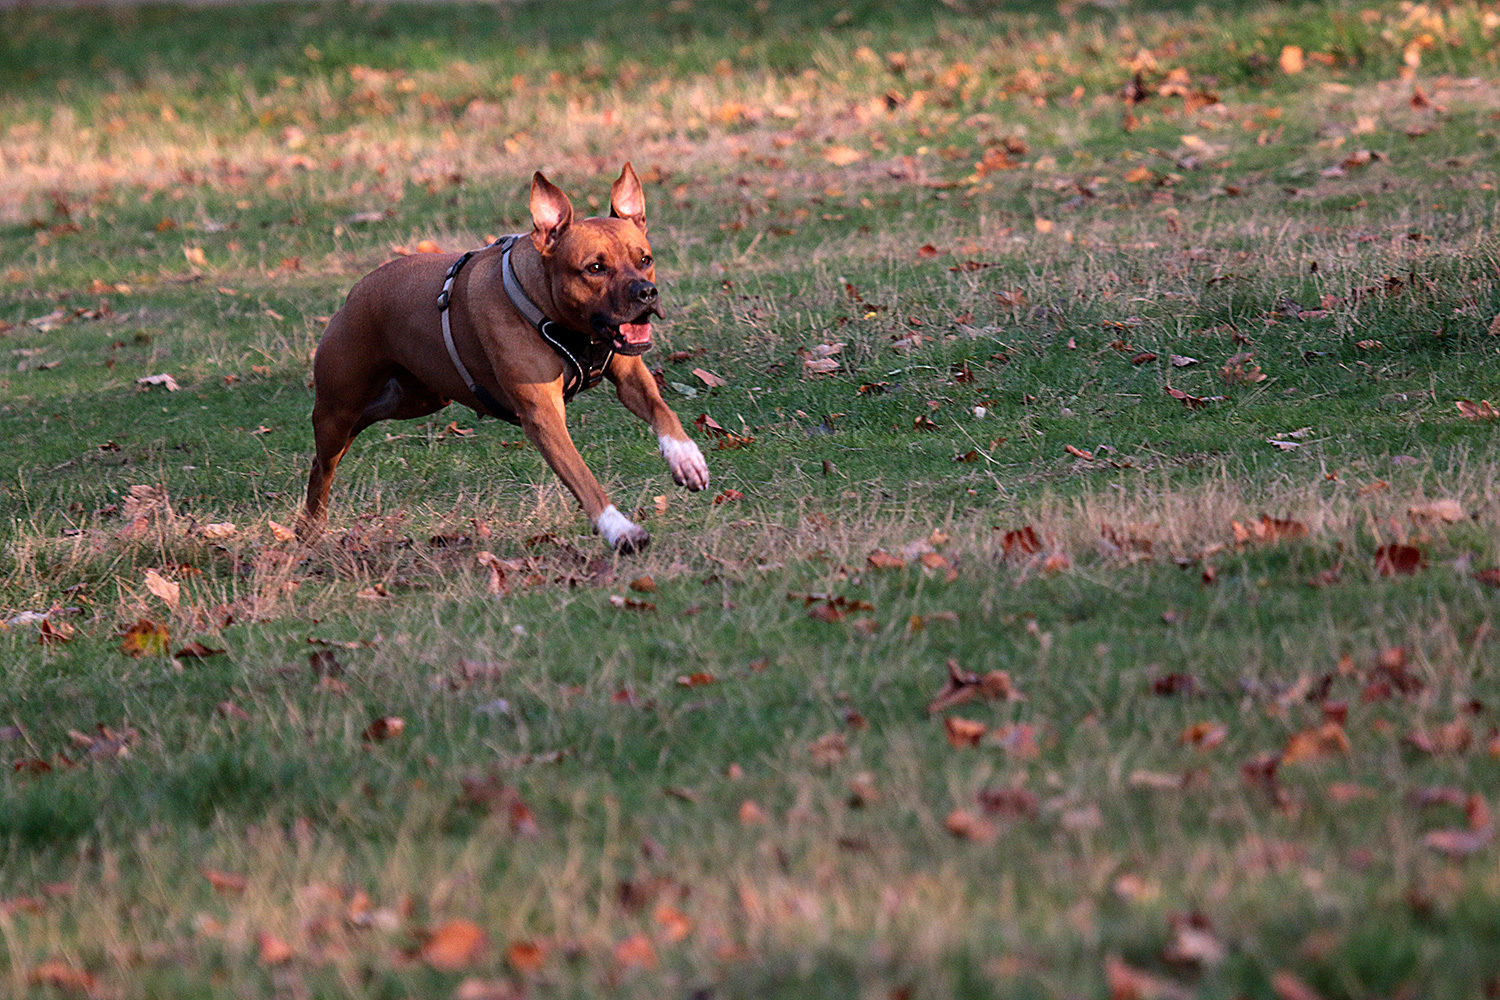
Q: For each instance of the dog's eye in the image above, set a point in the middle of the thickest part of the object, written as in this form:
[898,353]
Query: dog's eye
[645,261]
[594,267]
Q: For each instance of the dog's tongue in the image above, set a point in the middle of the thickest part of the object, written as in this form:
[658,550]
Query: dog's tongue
[636,333]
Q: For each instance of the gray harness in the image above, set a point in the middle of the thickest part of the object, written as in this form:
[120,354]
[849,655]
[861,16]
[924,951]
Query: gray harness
[569,344]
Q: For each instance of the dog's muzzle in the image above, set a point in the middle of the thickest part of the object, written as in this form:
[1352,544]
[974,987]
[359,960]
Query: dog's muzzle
[633,337]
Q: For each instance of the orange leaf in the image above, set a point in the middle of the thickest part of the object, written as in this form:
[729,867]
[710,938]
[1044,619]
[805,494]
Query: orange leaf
[674,923]
[273,950]
[63,976]
[1291,60]
[881,559]
[526,956]
[1482,410]
[1310,744]
[454,945]
[636,952]
[225,883]
[963,733]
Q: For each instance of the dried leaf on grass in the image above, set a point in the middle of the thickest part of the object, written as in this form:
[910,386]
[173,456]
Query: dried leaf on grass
[453,945]
[144,638]
[965,685]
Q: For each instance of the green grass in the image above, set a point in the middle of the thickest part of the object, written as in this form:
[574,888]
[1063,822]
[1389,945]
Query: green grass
[192,192]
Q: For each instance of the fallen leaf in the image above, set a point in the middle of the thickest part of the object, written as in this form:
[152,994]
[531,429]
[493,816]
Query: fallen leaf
[881,559]
[145,638]
[1482,410]
[963,733]
[165,381]
[674,924]
[384,728]
[273,950]
[217,531]
[50,633]
[163,588]
[1287,986]
[1125,982]
[709,379]
[225,883]
[636,952]
[842,156]
[1312,744]
[1449,511]
[59,974]
[526,956]
[1291,60]
[281,532]
[964,685]
[195,650]
[1398,560]
[968,826]
[751,814]
[1087,456]
[454,945]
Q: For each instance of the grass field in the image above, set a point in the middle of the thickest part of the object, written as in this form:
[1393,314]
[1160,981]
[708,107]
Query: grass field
[1096,595]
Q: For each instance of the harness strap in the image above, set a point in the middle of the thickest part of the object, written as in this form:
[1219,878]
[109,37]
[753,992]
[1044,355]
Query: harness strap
[485,397]
[578,376]
[582,376]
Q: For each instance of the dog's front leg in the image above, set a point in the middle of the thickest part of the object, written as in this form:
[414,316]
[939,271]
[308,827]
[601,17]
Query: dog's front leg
[542,418]
[637,391]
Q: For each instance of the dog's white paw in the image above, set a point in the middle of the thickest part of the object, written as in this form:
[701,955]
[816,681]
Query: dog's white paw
[622,534]
[686,462]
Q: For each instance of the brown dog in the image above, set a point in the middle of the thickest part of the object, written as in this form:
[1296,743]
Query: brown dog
[513,331]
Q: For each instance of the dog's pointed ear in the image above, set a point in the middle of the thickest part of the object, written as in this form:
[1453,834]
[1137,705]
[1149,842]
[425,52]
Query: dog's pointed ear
[626,200]
[551,213]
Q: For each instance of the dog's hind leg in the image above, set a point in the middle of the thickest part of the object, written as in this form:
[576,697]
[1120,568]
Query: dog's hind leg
[339,416]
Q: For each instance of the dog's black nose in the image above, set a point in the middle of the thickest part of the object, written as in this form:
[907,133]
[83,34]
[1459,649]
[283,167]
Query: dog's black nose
[644,292]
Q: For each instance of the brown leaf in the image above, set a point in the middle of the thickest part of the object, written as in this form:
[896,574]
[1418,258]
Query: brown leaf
[1021,541]
[60,975]
[708,378]
[1482,410]
[751,814]
[195,650]
[826,612]
[643,584]
[963,733]
[225,883]
[1087,456]
[1204,735]
[383,729]
[1287,986]
[1313,744]
[50,633]
[1128,983]
[696,680]
[1291,60]
[526,956]
[163,588]
[1449,511]
[636,952]
[881,559]
[454,945]
[968,826]
[273,950]
[1398,560]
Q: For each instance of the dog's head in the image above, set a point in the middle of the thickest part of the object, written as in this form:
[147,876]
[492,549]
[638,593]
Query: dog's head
[601,274]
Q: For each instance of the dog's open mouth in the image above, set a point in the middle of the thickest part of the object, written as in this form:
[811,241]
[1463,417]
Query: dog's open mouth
[628,338]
